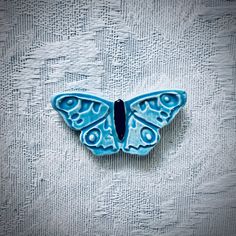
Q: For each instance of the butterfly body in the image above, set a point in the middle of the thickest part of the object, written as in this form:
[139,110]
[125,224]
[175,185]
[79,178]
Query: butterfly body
[119,118]
[131,126]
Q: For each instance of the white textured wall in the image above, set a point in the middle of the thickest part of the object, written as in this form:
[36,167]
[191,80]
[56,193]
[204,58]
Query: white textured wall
[52,185]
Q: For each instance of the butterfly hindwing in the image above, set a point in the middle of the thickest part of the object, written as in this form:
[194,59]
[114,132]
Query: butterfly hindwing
[100,138]
[147,114]
[92,116]
[141,137]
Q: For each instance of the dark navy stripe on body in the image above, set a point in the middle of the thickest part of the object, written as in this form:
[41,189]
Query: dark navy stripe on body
[119,116]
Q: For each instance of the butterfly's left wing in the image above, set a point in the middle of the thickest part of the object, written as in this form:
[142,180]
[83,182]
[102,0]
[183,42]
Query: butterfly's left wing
[146,115]
[91,115]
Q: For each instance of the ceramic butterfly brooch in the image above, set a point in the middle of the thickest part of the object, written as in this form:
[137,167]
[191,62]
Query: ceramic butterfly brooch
[131,126]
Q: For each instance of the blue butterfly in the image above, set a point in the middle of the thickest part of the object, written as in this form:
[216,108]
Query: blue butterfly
[131,126]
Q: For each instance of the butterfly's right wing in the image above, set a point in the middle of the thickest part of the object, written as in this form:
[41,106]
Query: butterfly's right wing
[146,115]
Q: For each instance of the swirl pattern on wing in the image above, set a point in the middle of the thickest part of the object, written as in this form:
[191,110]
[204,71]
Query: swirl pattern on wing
[80,110]
[158,108]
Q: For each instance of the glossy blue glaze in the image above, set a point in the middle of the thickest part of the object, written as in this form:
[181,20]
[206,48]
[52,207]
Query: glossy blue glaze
[94,117]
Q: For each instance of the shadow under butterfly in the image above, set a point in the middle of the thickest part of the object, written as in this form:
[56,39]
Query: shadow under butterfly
[131,126]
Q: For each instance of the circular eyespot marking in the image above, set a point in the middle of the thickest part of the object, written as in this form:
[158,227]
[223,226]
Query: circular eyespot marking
[67,103]
[166,98]
[148,136]
[93,136]
[169,99]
